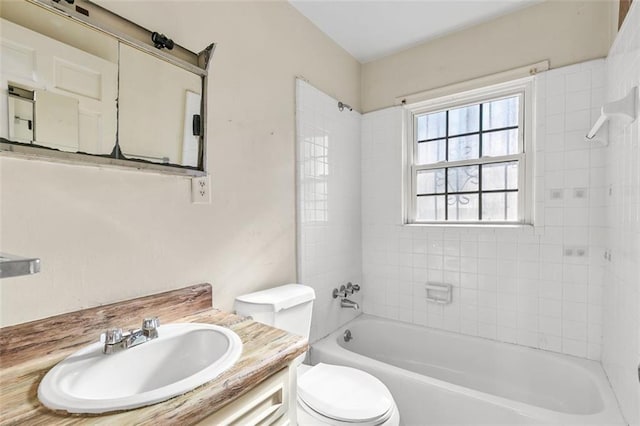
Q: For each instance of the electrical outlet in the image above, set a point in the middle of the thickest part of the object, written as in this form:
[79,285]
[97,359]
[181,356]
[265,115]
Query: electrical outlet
[201,190]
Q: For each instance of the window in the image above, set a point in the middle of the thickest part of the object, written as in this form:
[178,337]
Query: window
[469,157]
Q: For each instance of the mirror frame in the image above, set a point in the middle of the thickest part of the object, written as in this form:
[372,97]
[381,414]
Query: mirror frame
[97,18]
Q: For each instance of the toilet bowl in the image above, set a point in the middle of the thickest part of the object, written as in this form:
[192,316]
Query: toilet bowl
[338,395]
[327,394]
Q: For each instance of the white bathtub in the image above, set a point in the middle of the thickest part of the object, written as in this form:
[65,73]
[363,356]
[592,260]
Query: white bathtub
[437,377]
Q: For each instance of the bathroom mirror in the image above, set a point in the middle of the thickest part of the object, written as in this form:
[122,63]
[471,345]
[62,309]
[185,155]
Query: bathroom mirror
[81,84]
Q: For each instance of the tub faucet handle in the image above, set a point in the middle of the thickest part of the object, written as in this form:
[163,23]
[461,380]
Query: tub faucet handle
[339,293]
[352,288]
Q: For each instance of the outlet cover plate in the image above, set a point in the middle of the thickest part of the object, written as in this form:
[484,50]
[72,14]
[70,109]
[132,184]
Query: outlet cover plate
[201,190]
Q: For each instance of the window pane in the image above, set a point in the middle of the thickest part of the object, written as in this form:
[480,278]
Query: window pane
[499,206]
[430,208]
[468,134]
[500,113]
[431,126]
[464,120]
[430,181]
[500,176]
[463,178]
[463,207]
[504,142]
[464,148]
[431,152]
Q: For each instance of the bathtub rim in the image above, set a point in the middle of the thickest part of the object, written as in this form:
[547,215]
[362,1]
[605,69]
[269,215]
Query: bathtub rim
[610,414]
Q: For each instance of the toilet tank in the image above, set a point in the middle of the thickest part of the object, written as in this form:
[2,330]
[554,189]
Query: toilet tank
[287,307]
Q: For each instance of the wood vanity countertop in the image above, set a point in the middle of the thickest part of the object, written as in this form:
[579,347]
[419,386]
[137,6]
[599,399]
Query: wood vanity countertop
[265,351]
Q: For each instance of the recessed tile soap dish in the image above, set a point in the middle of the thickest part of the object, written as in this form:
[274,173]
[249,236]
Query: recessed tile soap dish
[439,293]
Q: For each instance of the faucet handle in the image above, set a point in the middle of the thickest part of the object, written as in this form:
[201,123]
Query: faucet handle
[352,288]
[111,336]
[150,327]
[339,293]
[150,323]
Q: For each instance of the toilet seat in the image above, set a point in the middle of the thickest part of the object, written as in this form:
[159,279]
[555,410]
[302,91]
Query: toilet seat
[307,416]
[344,395]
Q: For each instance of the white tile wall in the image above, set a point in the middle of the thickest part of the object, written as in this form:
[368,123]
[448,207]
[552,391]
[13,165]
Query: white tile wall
[520,285]
[621,354]
[542,286]
[328,188]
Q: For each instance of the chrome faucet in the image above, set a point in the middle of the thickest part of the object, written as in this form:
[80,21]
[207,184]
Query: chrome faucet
[345,290]
[342,293]
[115,340]
[346,303]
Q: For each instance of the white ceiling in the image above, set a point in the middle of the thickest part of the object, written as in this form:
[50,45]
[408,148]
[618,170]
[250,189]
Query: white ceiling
[372,29]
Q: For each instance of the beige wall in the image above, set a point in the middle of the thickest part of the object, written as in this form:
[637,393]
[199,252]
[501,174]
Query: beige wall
[564,32]
[106,234]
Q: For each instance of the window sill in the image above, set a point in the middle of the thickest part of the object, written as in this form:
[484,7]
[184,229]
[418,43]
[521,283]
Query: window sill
[510,225]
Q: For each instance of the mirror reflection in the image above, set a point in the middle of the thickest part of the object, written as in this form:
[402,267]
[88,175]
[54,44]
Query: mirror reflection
[104,98]
[72,93]
[20,115]
[157,126]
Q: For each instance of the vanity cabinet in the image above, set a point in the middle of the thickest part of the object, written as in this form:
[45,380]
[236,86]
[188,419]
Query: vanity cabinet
[272,402]
[248,393]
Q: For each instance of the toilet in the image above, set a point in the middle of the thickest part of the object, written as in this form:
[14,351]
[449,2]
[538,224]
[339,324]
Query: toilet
[327,394]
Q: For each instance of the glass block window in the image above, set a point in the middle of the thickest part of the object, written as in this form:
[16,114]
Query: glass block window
[468,161]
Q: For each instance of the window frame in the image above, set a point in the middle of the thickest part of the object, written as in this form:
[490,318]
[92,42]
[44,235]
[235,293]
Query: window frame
[524,89]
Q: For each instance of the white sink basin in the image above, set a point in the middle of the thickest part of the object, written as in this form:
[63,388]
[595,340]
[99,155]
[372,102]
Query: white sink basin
[183,357]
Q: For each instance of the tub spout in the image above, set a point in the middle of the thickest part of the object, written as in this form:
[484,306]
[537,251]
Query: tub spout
[346,303]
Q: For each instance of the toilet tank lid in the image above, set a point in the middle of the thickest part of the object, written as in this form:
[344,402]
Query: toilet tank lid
[282,297]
